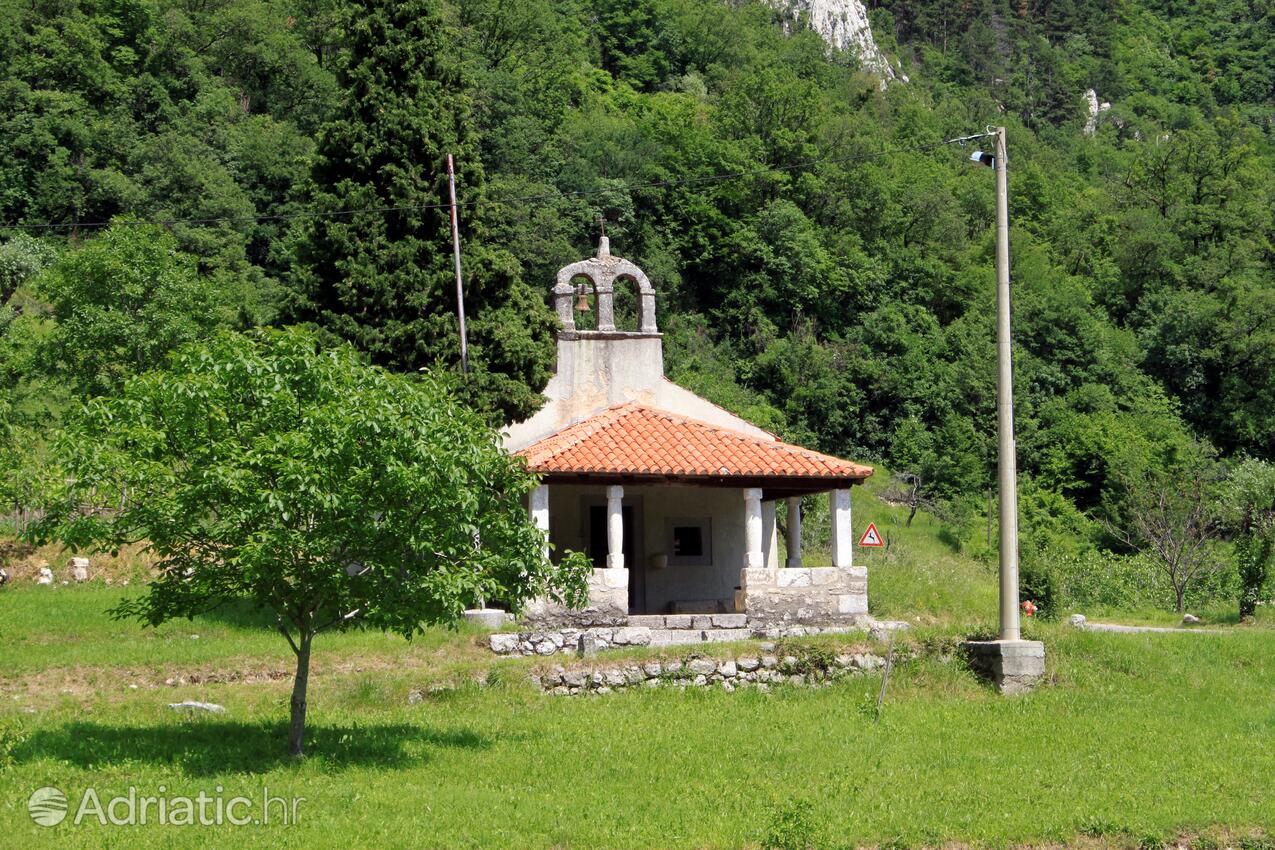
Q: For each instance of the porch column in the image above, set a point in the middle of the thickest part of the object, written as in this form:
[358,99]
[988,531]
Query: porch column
[842,536]
[752,528]
[538,507]
[794,532]
[615,528]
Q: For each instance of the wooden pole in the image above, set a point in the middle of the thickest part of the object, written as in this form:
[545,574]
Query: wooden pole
[460,286]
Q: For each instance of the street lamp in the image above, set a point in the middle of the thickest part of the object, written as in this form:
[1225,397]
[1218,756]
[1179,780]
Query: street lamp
[1015,664]
[1007,463]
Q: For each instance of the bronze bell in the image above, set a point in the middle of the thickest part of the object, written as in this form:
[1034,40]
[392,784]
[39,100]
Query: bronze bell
[582,301]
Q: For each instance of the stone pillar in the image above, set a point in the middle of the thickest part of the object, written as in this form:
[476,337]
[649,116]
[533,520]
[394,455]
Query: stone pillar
[842,535]
[564,304]
[769,532]
[538,507]
[646,304]
[752,528]
[606,305]
[794,532]
[615,528]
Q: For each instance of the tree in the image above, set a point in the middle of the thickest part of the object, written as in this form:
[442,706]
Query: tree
[121,303]
[327,492]
[1171,515]
[1249,505]
[384,279]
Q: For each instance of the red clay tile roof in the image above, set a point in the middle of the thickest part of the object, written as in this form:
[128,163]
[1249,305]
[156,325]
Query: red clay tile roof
[631,439]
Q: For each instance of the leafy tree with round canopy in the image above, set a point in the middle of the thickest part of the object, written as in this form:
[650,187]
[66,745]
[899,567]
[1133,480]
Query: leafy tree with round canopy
[121,303]
[328,492]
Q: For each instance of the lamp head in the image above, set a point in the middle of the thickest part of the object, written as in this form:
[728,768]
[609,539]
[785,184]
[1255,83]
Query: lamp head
[983,158]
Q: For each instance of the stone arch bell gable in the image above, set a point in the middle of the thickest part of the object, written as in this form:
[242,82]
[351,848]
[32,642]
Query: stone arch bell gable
[603,271]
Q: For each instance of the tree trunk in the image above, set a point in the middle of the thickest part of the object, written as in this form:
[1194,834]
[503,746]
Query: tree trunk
[911,514]
[1180,591]
[296,732]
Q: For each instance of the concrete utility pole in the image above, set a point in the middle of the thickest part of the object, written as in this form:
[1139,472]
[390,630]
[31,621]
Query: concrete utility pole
[460,287]
[1007,461]
[1013,664]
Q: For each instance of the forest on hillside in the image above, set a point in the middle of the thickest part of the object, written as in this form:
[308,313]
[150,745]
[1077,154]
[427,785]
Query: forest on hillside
[825,262]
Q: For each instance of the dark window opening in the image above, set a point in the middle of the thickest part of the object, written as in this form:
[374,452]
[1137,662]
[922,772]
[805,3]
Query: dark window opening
[688,541]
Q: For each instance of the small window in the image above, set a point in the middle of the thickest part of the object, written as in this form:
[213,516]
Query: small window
[690,542]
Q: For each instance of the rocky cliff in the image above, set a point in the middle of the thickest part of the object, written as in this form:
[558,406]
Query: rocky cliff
[844,25]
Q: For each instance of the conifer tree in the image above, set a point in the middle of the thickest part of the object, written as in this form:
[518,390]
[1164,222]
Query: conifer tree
[383,279]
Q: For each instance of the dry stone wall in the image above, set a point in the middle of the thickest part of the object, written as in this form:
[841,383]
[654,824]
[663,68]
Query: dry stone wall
[671,630]
[750,671]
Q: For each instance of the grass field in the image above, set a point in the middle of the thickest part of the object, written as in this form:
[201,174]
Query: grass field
[1134,740]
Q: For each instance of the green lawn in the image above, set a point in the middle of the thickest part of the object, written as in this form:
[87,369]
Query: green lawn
[1135,739]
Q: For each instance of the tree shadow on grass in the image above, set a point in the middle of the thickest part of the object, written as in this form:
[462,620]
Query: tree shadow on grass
[204,747]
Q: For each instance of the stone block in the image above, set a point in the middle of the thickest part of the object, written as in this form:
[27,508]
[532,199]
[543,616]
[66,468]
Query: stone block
[678,621]
[701,666]
[649,621]
[728,669]
[702,622]
[80,569]
[757,577]
[730,621]
[675,637]
[726,635]
[793,578]
[503,644]
[487,618]
[613,577]
[1013,666]
[631,636]
[825,575]
[852,603]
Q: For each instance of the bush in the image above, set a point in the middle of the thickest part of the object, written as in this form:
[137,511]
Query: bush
[1097,578]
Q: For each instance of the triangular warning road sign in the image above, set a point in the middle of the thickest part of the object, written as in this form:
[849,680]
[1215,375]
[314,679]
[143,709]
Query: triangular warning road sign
[871,538]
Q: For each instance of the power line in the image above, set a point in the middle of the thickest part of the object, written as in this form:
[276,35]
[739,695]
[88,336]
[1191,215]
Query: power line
[545,196]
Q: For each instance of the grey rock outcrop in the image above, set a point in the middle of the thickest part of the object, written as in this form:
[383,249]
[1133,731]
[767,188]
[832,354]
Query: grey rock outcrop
[844,26]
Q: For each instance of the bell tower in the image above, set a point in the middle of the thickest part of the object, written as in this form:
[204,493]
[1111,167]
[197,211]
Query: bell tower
[604,272]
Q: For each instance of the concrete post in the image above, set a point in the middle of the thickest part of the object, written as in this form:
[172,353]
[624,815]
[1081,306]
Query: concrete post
[615,527]
[842,534]
[1007,462]
[794,533]
[752,528]
[538,507]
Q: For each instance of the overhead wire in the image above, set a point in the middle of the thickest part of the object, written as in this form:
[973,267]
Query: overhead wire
[544,196]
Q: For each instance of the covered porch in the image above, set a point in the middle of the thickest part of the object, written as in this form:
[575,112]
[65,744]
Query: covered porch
[679,518]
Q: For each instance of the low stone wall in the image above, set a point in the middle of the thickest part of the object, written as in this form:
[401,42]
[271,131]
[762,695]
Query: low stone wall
[758,672]
[608,604]
[817,595]
[672,630]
